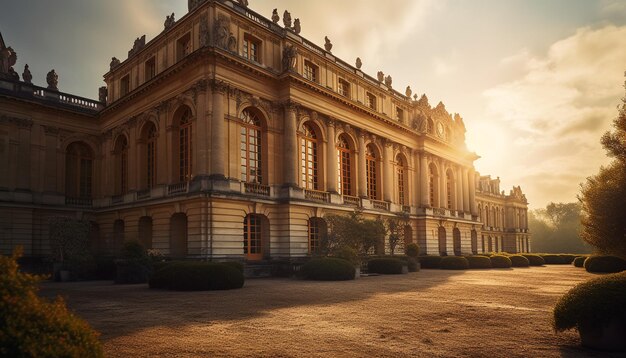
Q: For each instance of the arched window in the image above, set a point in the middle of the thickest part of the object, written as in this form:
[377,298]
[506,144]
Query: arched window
[487,222]
[121,165]
[151,153]
[449,189]
[308,158]
[344,165]
[401,177]
[250,147]
[317,232]
[78,171]
[433,183]
[370,167]
[185,141]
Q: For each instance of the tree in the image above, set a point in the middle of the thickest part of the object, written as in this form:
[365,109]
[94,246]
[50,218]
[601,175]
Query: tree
[556,229]
[603,196]
[353,231]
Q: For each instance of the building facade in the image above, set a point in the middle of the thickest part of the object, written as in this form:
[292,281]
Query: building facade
[231,136]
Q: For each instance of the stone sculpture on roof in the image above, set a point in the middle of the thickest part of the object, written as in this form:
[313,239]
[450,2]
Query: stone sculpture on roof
[169,21]
[26,75]
[327,44]
[139,43]
[287,19]
[296,26]
[408,91]
[289,57]
[53,80]
[358,63]
[114,63]
[275,17]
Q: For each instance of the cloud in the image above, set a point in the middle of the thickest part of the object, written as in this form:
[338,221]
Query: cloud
[555,113]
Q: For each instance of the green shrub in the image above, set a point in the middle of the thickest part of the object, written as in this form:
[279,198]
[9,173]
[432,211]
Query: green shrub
[236,264]
[519,261]
[412,250]
[454,263]
[568,258]
[592,304]
[534,260]
[105,268]
[430,262]
[134,264]
[196,276]
[412,264]
[385,266]
[479,262]
[579,261]
[553,259]
[31,326]
[500,261]
[349,254]
[604,264]
[328,269]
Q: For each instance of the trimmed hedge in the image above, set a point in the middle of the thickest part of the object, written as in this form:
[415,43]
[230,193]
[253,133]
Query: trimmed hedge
[454,263]
[389,266]
[348,254]
[605,264]
[236,264]
[412,250]
[328,269]
[534,260]
[553,259]
[568,258]
[479,262]
[592,305]
[579,261]
[430,262]
[32,326]
[500,261]
[519,261]
[196,276]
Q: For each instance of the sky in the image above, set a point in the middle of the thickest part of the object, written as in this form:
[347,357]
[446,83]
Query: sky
[536,81]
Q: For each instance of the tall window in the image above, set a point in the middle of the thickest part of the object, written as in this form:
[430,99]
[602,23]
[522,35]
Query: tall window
[370,100]
[432,182]
[343,88]
[308,158]
[124,85]
[121,156]
[150,69]
[310,71]
[151,135]
[78,169]
[252,237]
[251,48]
[314,235]
[401,174]
[185,142]
[344,166]
[449,189]
[250,147]
[370,167]
[183,47]
[399,114]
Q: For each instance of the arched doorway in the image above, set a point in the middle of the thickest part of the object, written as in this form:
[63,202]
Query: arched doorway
[474,238]
[145,231]
[178,235]
[456,241]
[118,236]
[442,241]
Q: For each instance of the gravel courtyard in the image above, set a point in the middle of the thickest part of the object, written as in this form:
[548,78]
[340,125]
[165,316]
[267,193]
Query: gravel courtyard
[432,313]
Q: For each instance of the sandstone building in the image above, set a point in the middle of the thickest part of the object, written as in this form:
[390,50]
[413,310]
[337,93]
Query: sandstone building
[230,135]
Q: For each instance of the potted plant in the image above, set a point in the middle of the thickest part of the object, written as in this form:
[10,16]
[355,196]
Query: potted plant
[69,241]
[412,250]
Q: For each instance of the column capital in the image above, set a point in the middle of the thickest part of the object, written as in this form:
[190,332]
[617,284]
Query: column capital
[219,86]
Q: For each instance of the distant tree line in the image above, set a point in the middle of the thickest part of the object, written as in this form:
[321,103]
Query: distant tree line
[556,229]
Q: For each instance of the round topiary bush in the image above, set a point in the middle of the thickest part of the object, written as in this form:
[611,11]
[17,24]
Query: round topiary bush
[604,264]
[454,263]
[534,260]
[568,258]
[31,326]
[500,261]
[519,261]
[412,250]
[196,276]
[328,269]
[349,254]
[479,262]
[595,307]
[429,262]
[553,259]
[579,261]
[389,266]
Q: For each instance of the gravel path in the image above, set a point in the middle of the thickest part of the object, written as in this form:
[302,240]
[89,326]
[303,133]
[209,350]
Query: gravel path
[432,313]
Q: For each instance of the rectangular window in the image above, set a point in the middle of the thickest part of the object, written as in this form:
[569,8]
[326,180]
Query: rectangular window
[343,88]
[150,69]
[399,114]
[310,71]
[124,85]
[183,47]
[370,100]
[251,48]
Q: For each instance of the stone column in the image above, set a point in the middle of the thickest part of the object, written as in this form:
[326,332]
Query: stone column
[290,141]
[472,192]
[133,157]
[218,132]
[424,172]
[201,146]
[387,172]
[362,170]
[331,158]
[460,190]
[466,197]
[443,202]
[415,190]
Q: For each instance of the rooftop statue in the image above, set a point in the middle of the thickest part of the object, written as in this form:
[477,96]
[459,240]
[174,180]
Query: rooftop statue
[102,94]
[408,91]
[296,26]
[8,58]
[381,76]
[287,19]
[358,63]
[26,75]
[139,43]
[327,45]
[388,81]
[289,57]
[243,3]
[169,21]
[192,4]
[275,17]
[53,80]
[114,63]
